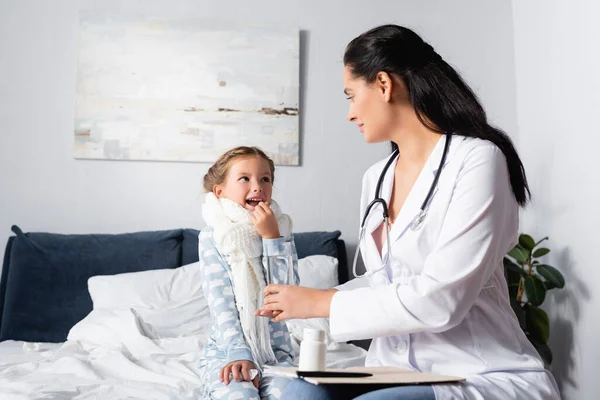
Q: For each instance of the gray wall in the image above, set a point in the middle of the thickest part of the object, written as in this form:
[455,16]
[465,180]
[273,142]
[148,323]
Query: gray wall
[45,189]
[557,64]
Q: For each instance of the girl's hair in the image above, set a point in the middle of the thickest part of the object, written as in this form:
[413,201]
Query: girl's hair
[442,101]
[217,174]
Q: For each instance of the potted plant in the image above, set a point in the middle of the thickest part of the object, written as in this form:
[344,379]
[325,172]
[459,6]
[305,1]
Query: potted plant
[528,281]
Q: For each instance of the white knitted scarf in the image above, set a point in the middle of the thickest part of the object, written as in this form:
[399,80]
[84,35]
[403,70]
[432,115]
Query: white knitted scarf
[238,241]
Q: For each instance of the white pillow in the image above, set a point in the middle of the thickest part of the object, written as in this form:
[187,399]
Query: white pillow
[171,301]
[318,271]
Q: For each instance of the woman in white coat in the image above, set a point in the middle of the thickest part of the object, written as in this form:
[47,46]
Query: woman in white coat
[434,298]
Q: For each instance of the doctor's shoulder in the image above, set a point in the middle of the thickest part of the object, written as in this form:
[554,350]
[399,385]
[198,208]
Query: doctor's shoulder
[475,149]
[481,161]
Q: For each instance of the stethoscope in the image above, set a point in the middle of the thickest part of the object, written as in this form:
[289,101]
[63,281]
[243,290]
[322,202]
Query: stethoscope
[417,220]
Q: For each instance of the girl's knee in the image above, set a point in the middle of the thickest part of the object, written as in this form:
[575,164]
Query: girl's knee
[272,387]
[401,392]
[299,389]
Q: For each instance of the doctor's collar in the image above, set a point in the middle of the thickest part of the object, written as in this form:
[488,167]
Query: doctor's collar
[438,150]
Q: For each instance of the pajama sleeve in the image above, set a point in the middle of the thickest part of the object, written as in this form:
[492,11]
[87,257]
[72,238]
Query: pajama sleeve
[218,290]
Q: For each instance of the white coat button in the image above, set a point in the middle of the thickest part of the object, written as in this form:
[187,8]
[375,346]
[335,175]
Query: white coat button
[402,346]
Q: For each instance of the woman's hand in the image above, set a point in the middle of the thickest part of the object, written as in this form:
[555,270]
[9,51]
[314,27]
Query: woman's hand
[265,222]
[240,370]
[288,302]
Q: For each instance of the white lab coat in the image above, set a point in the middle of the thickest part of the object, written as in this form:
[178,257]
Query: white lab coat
[442,303]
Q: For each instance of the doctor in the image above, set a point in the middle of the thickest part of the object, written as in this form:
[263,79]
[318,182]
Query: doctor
[434,298]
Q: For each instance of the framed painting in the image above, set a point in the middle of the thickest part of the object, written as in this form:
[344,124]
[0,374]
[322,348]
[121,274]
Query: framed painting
[185,89]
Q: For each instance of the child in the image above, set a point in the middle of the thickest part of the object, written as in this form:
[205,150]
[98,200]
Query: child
[246,235]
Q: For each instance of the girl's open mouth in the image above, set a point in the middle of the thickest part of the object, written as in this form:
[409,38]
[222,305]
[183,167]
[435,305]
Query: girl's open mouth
[253,202]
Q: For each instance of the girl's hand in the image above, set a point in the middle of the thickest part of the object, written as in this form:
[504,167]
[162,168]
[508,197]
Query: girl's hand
[265,222]
[240,370]
[288,302]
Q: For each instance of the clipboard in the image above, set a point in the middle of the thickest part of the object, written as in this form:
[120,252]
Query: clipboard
[375,376]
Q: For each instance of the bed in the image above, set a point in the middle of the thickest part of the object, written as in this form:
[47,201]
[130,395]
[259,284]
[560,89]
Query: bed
[123,316]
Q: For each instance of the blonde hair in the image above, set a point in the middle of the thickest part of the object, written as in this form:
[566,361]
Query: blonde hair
[217,174]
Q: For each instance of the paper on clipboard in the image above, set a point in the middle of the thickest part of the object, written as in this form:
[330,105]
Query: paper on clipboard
[381,376]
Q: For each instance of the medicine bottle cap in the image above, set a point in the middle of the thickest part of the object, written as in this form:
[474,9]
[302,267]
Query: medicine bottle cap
[314,334]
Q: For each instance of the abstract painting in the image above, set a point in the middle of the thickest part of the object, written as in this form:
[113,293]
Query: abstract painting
[185,89]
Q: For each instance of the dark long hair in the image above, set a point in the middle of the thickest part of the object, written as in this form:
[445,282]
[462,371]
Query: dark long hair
[442,100]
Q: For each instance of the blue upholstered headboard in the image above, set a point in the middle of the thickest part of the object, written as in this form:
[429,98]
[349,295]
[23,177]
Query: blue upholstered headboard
[43,288]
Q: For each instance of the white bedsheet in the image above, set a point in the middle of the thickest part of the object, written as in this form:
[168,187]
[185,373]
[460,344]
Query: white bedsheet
[109,355]
[96,363]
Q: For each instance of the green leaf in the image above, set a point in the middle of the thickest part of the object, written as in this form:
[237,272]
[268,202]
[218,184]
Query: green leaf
[550,285]
[512,278]
[513,290]
[551,275]
[538,324]
[519,254]
[535,290]
[544,351]
[519,312]
[508,264]
[526,242]
[542,251]
[512,272]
